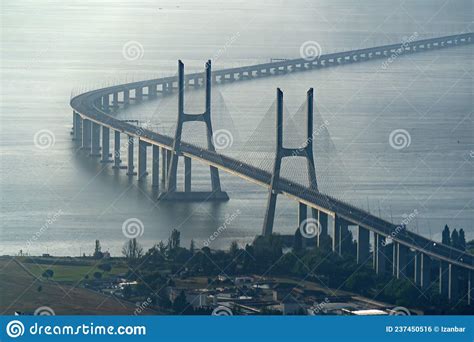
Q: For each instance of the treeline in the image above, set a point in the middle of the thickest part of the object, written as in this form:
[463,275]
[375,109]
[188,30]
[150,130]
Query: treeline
[454,239]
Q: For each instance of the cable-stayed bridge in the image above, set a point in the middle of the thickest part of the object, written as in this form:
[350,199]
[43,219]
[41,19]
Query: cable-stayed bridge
[93,121]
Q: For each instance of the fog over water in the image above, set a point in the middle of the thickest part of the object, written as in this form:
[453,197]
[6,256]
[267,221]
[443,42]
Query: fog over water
[68,199]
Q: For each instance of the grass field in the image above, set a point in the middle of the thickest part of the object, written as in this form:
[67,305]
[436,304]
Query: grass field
[73,273]
[19,292]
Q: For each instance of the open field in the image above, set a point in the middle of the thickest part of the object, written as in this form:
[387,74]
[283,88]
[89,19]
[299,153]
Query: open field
[19,291]
[72,273]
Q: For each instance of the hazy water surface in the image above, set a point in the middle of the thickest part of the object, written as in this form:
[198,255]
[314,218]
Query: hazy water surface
[51,47]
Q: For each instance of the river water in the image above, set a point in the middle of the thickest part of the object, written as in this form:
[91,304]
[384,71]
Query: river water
[57,201]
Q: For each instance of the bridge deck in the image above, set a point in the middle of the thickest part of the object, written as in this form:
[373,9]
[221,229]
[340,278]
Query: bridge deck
[87,106]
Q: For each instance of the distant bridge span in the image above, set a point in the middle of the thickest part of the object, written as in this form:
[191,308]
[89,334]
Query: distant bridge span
[91,113]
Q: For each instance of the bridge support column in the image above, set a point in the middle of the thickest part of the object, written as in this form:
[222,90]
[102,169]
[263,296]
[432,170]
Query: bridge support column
[424,271]
[187,174]
[95,143]
[142,155]
[470,286]
[336,235]
[138,94]
[379,254]
[86,134]
[394,258]
[105,145]
[155,172]
[402,256]
[443,278]
[105,103]
[453,291]
[115,100]
[323,223]
[164,167]
[77,129]
[171,190]
[126,97]
[131,167]
[117,159]
[363,245]
[152,91]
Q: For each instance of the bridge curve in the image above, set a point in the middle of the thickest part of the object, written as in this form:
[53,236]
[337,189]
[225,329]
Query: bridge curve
[95,106]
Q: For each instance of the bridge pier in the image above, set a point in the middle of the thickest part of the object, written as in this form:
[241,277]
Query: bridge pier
[117,160]
[142,156]
[131,167]
[164,167]
[152,91]
[323,220]
[394,258]
[379,253]
[187,174]
[115,100]
[155,169]
[95,143]
[126,97]
[105,145]
[363,245]
[470,286]
[77,128]
[337,228]
[138,94]
[86,134]
[443,278]
[171,192]
[424,271]
[402,262]
[105,103]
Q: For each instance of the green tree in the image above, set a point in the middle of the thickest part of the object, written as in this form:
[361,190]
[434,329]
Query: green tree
[446,237]
[48,274]
[98,250]
[455,239]
[127,291]
[180,304]
[132,250]
[175,239]
[234,249]
[105,267]
[97,275]
[462,239]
